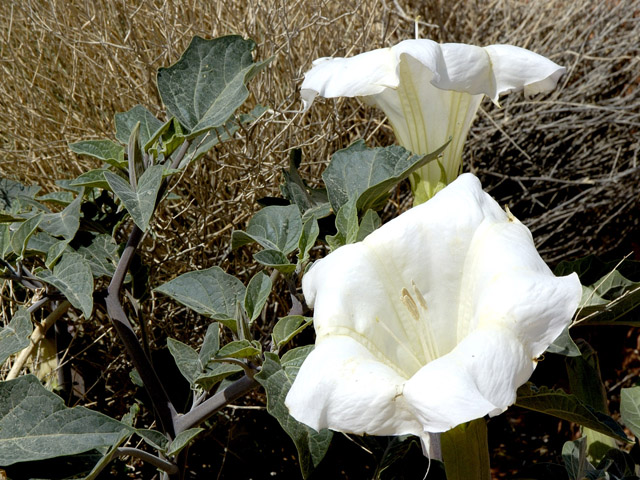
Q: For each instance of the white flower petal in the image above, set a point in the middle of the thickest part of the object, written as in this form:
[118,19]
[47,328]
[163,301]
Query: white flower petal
[365,74]
[434,319]
[479,377]
[342,386]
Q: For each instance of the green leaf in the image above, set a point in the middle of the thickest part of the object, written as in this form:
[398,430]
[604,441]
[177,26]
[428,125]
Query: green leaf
[153,438]
[11,191]
[275,227]
[64,224]
[182,440]
[275,259]
[107,457]
[277,376]
[310,232]
[186,358]
[41,242]
[134,157]
[210,292]
[5,240]
[15,336]
[585,380]
[126,122]
[346,226]
[104,150]
[367,175]
[72,276]
[206,86]
[564,345]
[239,349]
[204,142]
[574,456]
[370,222]
[20,237]
[141,202]
[630,409]
[256,295]
[465,451]
[55,252]
[166,139]
[568,407]
[92,178]
[210,344]
[296,190]
[215,372]
[101,255]
[288,327]
[36,425]
[61,198]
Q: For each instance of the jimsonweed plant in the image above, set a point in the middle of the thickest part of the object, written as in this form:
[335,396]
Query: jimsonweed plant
[423,326]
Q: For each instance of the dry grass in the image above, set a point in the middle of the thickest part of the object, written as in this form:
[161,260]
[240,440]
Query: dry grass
[566,163]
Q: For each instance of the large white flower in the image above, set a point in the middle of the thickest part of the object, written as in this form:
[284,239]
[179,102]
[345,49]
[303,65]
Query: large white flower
[431,92]
[434,319]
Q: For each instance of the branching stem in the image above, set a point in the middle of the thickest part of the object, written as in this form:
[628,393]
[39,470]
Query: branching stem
[158,462]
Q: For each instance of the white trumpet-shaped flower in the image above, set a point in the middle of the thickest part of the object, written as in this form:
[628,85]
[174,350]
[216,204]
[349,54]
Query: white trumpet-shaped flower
[431,92]
[433,320]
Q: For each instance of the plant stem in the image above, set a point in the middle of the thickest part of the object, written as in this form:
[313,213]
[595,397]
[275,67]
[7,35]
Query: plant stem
[158,462]
[38,334]
[212,405]
[120,321]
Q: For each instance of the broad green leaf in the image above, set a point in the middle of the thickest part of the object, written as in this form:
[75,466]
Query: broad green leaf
[574,456]
[104,150]
[630,409]
[206,86]
[64,224]
[166,139]
[204,142]
[274,227]
[36,425]
[564,345]
[182,440]
[10,191]
[92,178]
[367,175]
[258,291]
[275,259]
[15,336]
[126,121]
[61,198]
[41,242]
[20,237]
[55,252]
[288,327]
[210,292]
[141,202]
[370,222]
[585,380]
[215,372]
[296,190]
[153,438]
[346,226]
[5,239]
[72,276]
[101,254]
[310,232]
[107,457]
[568,407]
[277,376]
[465,451]
[134,157]
[210,344]
[186,359]
[239,349]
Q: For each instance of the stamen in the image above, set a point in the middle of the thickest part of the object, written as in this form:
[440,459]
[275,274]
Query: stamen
[410,303]
[418,293]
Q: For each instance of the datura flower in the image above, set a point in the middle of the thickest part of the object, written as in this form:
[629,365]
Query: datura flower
[433,320]
[431,92]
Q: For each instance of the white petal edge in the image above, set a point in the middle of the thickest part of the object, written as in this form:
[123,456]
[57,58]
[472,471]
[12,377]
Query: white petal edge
[341,386]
